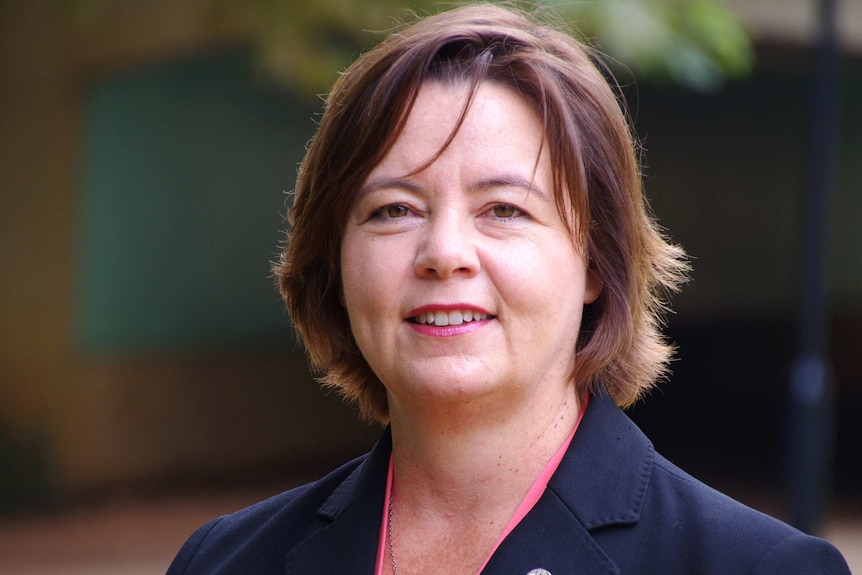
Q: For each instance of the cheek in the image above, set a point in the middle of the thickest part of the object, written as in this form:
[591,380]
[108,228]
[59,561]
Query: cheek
[351,280]
[544,275]
[558,297]
[357,304]
[367,278]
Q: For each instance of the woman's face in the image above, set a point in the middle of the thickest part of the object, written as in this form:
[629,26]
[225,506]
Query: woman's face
[462,280]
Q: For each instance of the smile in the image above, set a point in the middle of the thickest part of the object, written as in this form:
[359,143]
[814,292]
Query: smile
[444,318]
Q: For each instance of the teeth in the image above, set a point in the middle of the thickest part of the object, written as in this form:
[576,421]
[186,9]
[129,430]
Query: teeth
[442,318]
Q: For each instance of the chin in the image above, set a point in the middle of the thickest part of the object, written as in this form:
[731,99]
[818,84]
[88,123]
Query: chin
[453,387]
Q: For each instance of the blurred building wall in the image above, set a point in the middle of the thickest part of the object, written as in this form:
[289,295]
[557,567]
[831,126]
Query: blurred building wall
[73,421]
[39,115]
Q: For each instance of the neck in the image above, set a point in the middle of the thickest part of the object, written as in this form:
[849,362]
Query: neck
[477,458]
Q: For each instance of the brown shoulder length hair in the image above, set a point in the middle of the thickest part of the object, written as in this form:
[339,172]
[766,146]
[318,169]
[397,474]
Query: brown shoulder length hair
[598,185]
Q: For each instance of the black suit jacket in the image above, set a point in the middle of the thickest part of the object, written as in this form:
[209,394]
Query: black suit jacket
[613,506]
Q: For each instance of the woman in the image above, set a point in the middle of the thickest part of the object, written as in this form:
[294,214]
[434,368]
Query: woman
[471,261]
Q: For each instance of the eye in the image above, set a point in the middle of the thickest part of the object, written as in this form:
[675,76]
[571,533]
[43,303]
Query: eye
[505,211]
[392,212]
[396,211]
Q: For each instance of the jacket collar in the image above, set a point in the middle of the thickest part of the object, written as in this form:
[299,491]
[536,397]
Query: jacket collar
[604,474]
[368,481]
[346,541]
[601,482]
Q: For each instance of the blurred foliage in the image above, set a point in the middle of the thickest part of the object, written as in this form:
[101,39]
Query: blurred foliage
[308,42]
[694,43]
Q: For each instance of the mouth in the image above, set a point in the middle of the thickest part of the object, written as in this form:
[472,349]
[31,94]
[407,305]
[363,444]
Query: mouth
[453,317]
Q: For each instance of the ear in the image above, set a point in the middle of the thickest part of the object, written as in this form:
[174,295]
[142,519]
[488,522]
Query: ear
[593,288]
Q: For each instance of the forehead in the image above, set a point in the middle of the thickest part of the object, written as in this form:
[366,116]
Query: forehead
[448,121]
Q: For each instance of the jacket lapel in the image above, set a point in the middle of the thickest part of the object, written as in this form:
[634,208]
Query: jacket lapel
[550,538]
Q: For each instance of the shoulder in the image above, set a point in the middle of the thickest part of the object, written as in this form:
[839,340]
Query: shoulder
[258,537]
[649,516]
[690,523]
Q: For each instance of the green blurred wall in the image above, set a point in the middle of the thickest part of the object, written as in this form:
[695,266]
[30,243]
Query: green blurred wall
[186,170]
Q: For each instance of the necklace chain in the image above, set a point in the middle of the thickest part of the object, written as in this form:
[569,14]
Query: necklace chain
[389,536]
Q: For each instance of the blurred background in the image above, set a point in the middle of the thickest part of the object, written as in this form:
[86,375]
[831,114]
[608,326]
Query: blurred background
[149,377]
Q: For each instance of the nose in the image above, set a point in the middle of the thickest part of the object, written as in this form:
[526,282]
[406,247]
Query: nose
[447,249]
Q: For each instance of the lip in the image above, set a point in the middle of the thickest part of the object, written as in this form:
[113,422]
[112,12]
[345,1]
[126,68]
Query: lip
[449,330]
[447,307]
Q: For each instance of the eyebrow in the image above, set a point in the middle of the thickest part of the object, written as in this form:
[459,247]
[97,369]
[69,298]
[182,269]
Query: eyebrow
[500,181]
[387,182]
[510,181]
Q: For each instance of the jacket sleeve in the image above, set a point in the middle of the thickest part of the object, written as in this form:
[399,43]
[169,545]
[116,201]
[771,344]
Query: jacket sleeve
[803,555]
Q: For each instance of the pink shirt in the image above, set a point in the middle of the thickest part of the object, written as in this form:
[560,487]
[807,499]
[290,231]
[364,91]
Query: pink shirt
[529,501]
